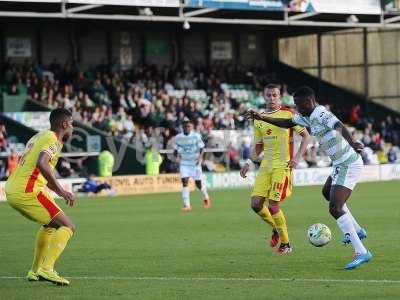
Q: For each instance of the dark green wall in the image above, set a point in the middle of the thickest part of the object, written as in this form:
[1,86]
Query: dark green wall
[11,103]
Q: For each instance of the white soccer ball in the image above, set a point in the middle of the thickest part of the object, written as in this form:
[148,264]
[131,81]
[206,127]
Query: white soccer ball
[319,234]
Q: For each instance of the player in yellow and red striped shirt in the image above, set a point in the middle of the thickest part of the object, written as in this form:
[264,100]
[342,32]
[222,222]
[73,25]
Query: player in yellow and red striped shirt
[26,191]
[274,179]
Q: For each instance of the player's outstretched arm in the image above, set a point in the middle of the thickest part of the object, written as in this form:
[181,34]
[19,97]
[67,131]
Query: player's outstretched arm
[305,139]
[357,146]
[284,123]
[44,167]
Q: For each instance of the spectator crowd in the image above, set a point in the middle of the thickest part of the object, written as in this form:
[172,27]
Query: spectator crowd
[133,104]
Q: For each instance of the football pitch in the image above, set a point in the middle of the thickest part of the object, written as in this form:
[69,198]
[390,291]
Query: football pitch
[144,247]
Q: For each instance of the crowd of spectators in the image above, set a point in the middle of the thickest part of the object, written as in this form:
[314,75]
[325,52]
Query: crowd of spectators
[132,104]
[118,101]
[381,137]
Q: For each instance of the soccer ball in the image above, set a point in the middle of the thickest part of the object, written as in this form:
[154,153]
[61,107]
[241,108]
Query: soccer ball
[319,234]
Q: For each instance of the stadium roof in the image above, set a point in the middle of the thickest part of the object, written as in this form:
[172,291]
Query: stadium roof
[179,11]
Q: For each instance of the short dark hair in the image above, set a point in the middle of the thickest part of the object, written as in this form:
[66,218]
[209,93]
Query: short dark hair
[304,93]
[59,115]
[273,86]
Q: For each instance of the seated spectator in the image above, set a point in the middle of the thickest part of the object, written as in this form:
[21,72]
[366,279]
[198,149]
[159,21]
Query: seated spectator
[392,155]
[367,138]
[3,142]
[87,102]
[13,90]
[170,162]
[207,122]
[245,149]
[234,157]
[128,128]
[169,121]
[64,168]
[3,130]
[228,121]
[3,169]
[12,162]
[382,157]
[369,157]
[98,92]
[355,114]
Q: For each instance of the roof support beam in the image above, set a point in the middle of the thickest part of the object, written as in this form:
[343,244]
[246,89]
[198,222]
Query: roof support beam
[199,12]
[231,21]
[302,16]
[392,20]
[193,16]
[82,8]
[30,14]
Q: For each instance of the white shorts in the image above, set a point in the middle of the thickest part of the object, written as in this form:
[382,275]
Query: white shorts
[194,172]
[347,175]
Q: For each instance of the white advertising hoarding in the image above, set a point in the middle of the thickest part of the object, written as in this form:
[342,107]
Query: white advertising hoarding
[390,172]
[302,177]
[143,184]
[337,6]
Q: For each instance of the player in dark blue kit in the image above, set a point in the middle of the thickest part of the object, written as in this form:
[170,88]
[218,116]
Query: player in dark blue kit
[92,186]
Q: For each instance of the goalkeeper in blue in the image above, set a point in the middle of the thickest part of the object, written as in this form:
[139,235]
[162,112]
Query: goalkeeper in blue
[336,141]
[93,186]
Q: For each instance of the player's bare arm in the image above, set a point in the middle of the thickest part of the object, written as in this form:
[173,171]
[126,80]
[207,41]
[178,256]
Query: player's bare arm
[284,123]
[305,139]
[176,155]
[256,151]
[44,166]
[357,146]
[201,154]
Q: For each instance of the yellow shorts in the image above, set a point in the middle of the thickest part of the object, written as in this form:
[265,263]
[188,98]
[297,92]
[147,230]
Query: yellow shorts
[38,206]
[273,184]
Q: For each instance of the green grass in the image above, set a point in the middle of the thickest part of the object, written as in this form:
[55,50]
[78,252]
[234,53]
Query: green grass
[120,241]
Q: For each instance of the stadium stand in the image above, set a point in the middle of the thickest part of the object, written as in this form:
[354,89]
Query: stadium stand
[133,104]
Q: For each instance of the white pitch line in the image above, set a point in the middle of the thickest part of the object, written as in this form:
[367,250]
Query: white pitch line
[325,280]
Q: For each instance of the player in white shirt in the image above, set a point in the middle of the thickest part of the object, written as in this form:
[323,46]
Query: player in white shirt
[338,144]
[189,148]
